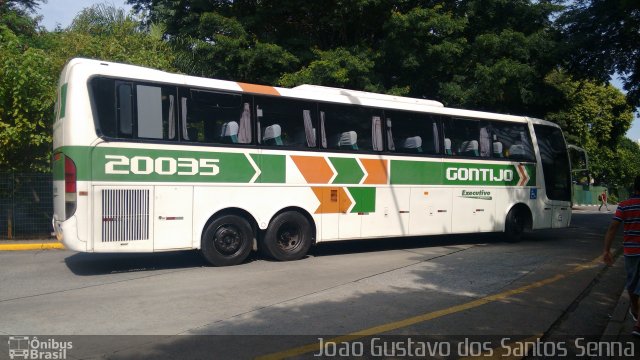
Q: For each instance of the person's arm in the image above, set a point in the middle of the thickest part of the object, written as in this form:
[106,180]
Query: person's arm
[608,240]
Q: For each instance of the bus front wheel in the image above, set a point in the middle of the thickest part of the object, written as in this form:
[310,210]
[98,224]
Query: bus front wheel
[515,225]
[288,237]
[227,241]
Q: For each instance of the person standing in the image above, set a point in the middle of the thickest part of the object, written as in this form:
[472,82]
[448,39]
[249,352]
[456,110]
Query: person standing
[628,214]
[603,200]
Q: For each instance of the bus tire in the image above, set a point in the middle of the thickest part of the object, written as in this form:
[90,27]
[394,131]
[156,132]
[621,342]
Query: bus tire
[288,237]
[515,224]
[227,241]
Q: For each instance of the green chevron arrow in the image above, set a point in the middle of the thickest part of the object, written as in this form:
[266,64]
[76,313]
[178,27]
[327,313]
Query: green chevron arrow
[349,171]
[365,199]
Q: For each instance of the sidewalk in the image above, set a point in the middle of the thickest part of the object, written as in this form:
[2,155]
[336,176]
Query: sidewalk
[621,323]
[36,244]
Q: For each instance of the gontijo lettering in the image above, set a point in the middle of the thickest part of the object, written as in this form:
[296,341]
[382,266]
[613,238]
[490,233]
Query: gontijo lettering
[474,174]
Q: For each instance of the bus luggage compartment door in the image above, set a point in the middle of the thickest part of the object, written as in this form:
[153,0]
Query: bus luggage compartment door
[173,217]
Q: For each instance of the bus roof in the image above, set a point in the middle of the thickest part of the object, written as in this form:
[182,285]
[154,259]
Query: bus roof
[363,94]
[306,92]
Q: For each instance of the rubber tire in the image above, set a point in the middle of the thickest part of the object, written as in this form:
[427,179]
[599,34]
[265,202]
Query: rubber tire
[515,225]
[282,226]
[238,230]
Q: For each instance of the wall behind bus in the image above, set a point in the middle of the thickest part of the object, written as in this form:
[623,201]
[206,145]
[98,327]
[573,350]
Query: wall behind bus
[587,195]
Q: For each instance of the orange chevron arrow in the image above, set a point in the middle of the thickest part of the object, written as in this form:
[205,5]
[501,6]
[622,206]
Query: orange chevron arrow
[332,200]
[315,169]
[524,177]
[376,170]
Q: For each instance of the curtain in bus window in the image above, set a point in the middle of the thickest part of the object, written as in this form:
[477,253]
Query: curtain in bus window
[390,143]
[259,115]
[485,142]
[323,133]
[309,131]
[436,138]
[185,133]
[376,133]
[172,118]
[125,109]
[244,132]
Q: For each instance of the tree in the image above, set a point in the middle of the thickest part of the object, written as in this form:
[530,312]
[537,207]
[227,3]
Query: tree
[602,38]
[108,33]
[14,14]
[596,117]
[29,69]
[479,54]
[27,95]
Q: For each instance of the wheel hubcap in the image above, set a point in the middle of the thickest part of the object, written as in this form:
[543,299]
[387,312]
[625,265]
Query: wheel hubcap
[288,237]
[227,239]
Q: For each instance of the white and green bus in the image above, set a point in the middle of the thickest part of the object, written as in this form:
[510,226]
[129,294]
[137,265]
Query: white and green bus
[148,161]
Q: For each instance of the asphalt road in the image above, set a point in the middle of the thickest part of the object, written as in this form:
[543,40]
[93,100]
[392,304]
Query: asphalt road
[444,287]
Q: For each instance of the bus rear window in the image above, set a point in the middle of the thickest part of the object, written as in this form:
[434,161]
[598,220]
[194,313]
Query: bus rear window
[129,110]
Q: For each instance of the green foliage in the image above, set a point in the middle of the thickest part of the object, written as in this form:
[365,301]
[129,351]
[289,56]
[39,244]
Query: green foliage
[30,64]
[27,95]
[603,37]
[107,33]
[338,68]
[494,55]
[218,46]
[596,117]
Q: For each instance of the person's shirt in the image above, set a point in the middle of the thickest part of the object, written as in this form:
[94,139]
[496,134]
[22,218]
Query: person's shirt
[628,213]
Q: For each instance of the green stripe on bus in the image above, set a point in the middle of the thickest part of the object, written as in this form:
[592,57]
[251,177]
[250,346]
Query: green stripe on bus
[81,158]
[63,101]
[273,168]
[349,171]
[154,165]
[57,166]
[407,172]
[365,199]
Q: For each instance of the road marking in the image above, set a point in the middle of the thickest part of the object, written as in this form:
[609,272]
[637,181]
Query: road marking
[430,316]
[37,246]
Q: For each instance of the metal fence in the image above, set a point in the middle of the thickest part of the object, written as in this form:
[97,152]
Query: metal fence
[26,205]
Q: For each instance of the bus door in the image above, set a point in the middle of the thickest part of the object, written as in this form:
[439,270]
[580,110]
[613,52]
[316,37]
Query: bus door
[556,173]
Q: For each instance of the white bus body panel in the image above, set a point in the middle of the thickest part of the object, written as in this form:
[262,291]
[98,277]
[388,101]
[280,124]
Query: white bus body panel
[177,213]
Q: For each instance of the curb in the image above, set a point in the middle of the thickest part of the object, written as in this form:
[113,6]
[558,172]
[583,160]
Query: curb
[618,321]
[32,246]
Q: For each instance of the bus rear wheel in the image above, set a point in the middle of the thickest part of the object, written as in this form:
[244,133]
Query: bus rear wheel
[288,237]
[227,241]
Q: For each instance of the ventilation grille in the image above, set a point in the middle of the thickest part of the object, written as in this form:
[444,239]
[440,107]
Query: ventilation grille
[125,215]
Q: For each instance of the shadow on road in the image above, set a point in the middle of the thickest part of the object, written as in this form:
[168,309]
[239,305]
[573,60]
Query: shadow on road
[87,264]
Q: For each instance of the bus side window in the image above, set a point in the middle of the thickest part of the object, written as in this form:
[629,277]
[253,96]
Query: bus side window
[214,118]
[105,106]
[512,141]
[413,133]
[285,122]
[350,127]
[464,136]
